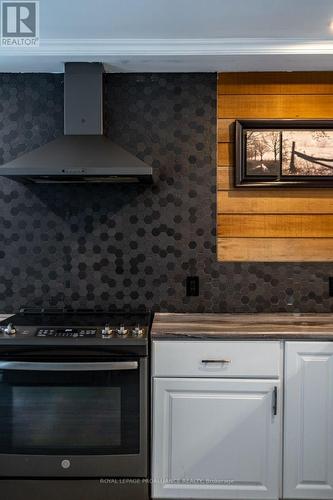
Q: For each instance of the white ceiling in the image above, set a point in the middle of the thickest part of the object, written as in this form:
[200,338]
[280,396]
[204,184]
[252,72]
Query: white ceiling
[180,35]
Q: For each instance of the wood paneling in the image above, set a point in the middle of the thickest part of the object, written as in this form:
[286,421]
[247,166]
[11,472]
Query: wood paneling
[271,224]
[275,106]
[275,226]
[276,83]
[275,249]
[279,201]
[224,178]
[226,130]
[225,154]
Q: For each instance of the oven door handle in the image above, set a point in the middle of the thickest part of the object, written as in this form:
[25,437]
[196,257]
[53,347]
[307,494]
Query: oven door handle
[75,367]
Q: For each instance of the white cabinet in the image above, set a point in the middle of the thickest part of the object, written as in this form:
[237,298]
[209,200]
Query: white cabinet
[248,359]
[215,434]
[308,446]
[216,438]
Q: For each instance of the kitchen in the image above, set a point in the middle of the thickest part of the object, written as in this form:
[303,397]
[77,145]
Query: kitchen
[166,274]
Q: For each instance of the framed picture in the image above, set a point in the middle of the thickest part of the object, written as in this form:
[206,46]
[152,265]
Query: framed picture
[284,153]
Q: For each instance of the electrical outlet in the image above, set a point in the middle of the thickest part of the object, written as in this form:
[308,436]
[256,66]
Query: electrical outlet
[192,286]
[330,286]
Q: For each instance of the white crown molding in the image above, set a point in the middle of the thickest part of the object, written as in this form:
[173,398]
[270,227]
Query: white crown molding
[171,47]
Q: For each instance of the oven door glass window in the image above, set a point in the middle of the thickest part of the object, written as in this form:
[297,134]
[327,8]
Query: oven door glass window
[70,412]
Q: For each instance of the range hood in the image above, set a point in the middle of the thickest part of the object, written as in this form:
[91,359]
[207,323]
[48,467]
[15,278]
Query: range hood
[83,154]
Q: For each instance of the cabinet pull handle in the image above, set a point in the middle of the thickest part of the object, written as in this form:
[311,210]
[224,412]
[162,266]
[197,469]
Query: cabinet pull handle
[216,361]
[275,401]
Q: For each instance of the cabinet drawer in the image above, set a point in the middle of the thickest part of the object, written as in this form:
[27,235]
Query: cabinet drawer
[216,359]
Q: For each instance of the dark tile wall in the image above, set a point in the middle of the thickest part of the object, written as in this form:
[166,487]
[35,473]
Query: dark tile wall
[115,246]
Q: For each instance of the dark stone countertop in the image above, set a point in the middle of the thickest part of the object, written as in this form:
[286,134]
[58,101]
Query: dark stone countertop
[255,326]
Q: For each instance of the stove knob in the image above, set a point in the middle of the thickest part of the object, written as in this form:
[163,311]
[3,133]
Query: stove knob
[121,330]
[9,329]
[107,330]
[137,331]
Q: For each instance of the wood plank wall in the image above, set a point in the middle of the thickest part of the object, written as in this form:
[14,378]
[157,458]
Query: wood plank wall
[265,224]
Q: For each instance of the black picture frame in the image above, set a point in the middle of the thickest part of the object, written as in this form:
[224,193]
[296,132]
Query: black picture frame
[279,178]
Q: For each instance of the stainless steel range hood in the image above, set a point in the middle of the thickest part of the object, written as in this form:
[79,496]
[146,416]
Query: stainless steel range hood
[83,154]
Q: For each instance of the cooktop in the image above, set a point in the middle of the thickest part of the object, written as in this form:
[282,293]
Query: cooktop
[77,325]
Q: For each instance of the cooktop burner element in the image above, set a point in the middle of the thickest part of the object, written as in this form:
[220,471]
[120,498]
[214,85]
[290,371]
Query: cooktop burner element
[80,326]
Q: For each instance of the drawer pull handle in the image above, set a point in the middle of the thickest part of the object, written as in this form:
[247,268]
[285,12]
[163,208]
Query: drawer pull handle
[216,361]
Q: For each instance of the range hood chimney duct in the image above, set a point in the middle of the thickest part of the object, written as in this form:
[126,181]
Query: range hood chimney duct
[83,104]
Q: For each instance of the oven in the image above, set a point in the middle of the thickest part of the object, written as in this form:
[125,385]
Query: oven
[73,415]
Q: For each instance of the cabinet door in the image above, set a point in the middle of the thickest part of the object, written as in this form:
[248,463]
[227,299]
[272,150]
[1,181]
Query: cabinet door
[308,448]
[215,438]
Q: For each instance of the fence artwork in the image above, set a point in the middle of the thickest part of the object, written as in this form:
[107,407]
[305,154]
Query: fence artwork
[303,156]
[281,153]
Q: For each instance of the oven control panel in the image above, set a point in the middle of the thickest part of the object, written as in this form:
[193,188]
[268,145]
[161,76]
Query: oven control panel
[66,332]
[95,333]
[107,332]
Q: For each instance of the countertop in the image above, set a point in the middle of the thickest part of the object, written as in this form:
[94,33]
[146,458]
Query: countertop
[274,326]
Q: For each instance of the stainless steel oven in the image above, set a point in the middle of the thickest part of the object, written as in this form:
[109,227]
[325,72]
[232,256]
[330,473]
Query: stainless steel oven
[60,418]
[74,409]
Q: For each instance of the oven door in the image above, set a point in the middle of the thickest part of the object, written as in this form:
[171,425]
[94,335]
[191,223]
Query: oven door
[73,419]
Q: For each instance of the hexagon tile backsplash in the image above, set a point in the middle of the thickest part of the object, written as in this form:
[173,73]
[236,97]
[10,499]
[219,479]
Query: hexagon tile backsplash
[131,246]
